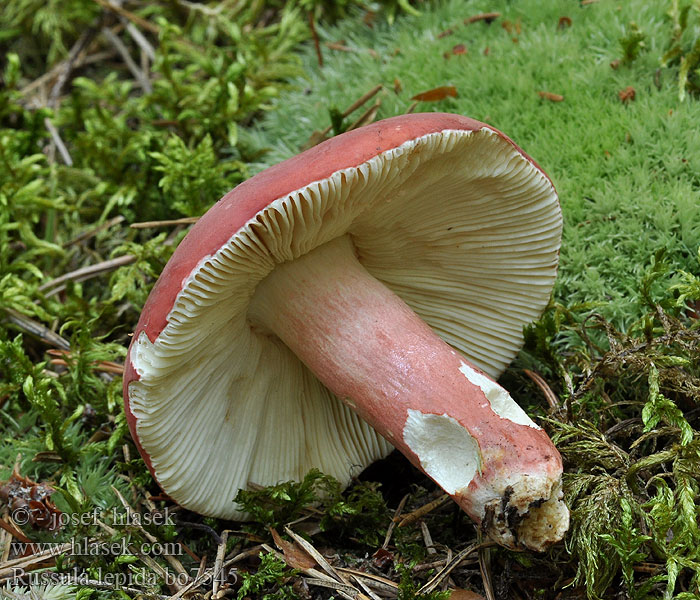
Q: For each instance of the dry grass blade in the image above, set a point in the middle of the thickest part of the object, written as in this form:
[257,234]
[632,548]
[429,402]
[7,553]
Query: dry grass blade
[485,568]
[427,538]
[346,591]
[205,575]
[380,583]
[174,562]
[397,514]
[58,284]
[449,567]
[316,555]
[9,569]
[423,510]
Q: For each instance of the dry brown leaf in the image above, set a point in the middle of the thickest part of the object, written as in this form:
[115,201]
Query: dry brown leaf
[460,594]
[438,93]
[445,33]
[627,95]
[459,49]
[564,22]
[551,97]
[294,556]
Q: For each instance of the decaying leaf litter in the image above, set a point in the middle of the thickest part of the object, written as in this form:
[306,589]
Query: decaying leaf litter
[93,142]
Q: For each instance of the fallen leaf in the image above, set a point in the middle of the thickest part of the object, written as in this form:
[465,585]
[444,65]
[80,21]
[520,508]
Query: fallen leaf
[460,594]
[438,93]
[295,556]
[487,17]
[627,95]
[445,33]
[459,49]
[486,51]
[551,97]
[564,22]
[615,64]
[511,27]
[397,86]
[31,501]
[382,557]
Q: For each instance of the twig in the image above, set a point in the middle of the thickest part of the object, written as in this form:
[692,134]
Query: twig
[347,591]
[206,575]
[58,142]
[174,562]
[549,395]
[314,36]
[58,284]
[94,231]
[35,328]
[143,23]
[146,224]
[488,17]
[397,514]
[96,583]
[80,43]
[141,41]
[366,117]
[10,567]
[423,510]
[131,65]
[361,100]
[220,551]
[380,583]
[449,567]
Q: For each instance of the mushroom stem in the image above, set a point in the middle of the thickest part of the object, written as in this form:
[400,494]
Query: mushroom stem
[451,420]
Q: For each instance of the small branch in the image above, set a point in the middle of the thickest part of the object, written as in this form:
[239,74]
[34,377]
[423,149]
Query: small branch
[94,231]
[35,328]
[549,395]
[141,41]
[423,510]
[131,65]
[58,284]
[314,36]
[81,42]
[397,514]
[58,142]
[220,552]
[142,23]
[449,567]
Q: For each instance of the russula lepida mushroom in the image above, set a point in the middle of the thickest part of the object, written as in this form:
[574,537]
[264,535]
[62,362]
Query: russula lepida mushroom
[362,295]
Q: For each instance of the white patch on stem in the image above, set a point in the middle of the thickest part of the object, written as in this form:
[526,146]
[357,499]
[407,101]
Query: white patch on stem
[446,450]
[499,399]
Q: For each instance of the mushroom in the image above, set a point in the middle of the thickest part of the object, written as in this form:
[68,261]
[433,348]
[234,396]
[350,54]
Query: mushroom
[360,296]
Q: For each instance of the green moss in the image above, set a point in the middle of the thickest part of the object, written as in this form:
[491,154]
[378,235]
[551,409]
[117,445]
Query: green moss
[627,174]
